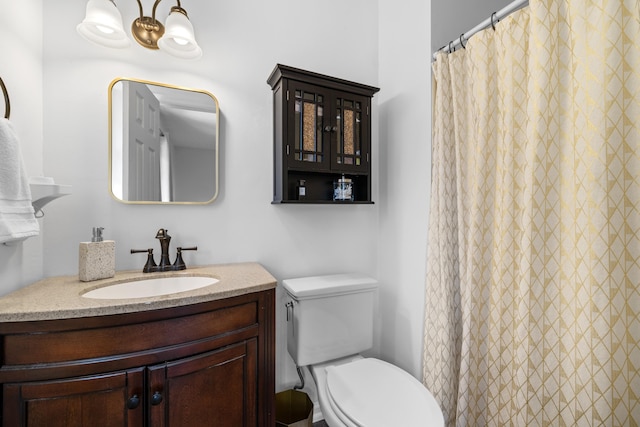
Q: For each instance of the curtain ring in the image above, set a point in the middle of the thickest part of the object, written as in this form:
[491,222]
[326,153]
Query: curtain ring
[461,42]
[493,25]
[451,49]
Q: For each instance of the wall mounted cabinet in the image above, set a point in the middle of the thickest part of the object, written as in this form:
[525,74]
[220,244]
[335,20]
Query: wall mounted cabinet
[322,131]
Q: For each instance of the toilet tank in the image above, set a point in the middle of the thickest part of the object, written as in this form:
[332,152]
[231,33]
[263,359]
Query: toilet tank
[329,317]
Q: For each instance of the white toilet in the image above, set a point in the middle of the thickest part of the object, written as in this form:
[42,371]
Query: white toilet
[329,321]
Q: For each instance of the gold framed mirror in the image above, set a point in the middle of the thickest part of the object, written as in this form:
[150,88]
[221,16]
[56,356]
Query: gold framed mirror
[163,143]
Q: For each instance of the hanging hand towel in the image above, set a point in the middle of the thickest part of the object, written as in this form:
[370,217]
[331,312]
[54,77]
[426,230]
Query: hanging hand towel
[17,219]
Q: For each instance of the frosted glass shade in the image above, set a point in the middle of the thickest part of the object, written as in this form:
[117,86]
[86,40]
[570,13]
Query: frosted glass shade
[178,39]
[103,25]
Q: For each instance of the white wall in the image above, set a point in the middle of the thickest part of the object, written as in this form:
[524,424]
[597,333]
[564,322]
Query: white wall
[64,83]
[242,42]
[21,71]
[405,164]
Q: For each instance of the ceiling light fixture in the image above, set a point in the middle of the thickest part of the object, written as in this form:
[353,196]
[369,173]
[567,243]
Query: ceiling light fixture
[103,25]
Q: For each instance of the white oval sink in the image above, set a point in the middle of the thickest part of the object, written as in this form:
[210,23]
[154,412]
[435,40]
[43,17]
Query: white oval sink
[150,287]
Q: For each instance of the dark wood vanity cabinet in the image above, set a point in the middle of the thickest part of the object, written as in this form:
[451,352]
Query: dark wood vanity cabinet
[322,131]
[207,364]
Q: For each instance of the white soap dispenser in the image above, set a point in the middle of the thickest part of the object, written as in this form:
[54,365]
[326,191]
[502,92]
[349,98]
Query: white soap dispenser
[97,258]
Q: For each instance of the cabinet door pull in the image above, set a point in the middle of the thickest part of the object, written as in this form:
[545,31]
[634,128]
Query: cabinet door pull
[156,399]
[133,402]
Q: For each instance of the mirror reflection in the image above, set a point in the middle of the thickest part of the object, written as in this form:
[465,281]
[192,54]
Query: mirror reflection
[163,143]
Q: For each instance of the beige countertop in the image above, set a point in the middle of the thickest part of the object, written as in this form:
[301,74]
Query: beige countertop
[61,297]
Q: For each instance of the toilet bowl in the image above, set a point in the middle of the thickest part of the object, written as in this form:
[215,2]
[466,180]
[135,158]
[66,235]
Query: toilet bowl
[329,322]
[368,392]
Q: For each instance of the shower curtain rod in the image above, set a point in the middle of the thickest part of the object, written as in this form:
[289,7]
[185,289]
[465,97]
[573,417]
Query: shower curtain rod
[492,20]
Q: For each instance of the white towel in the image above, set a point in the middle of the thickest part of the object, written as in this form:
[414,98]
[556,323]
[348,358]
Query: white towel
[17,219]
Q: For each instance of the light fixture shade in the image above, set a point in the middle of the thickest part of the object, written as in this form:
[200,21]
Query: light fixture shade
[103,25]
[178,39]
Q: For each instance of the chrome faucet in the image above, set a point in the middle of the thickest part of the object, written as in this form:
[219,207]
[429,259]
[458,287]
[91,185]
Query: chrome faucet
[165,264]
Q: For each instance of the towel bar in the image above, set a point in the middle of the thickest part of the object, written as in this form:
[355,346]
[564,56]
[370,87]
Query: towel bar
[7,108]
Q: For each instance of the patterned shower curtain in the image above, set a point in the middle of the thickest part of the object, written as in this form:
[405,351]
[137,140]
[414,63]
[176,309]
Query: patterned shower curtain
[533,272]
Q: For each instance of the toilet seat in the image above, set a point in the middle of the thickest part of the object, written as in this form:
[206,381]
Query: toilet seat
[373,393]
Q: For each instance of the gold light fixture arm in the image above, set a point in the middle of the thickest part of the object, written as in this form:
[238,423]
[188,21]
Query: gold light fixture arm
[179,8]
[155,6]
[141,10]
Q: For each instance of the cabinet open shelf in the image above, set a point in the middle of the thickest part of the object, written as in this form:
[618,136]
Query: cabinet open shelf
[319,187]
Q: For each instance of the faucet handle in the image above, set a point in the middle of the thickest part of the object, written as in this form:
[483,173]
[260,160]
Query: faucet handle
[179,263]
[150,265]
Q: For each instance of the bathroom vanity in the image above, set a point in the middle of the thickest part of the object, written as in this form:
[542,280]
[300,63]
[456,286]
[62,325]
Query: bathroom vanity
[195,358]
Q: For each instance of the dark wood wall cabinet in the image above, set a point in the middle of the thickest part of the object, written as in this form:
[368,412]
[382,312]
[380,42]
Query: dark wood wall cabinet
[205,364]
[322,138]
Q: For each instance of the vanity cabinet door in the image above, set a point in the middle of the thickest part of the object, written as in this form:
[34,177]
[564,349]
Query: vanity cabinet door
[217,388]
[114,399]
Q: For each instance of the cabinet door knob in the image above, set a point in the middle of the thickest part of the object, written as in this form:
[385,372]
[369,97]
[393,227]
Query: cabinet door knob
[156,399]
[133,402]
[327,128]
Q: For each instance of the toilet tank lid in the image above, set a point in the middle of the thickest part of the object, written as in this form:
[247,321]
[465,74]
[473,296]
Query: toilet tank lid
[317,286]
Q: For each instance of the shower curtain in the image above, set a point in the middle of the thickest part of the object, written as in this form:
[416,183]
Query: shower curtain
[533,270]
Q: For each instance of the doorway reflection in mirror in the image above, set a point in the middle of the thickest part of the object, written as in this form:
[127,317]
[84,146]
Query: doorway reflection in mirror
[163,143]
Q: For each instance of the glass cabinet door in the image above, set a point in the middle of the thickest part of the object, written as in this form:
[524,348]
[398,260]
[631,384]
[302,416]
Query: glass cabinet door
[309,128]
[350,150]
